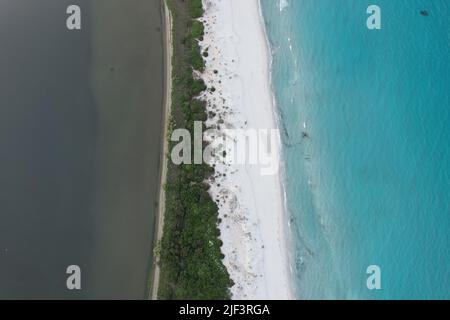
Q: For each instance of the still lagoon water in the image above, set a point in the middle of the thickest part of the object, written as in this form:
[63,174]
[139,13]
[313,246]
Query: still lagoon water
[80,132]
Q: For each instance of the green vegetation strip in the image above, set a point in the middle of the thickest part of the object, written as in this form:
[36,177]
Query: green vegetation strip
[191,259]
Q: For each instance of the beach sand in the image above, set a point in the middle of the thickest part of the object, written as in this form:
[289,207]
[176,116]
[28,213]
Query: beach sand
[253,220]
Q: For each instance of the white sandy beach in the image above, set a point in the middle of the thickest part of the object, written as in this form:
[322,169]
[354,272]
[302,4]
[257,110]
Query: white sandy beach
[254,224]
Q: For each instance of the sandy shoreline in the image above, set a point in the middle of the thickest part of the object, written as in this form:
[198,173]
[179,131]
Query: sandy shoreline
[153,294]
[254,224]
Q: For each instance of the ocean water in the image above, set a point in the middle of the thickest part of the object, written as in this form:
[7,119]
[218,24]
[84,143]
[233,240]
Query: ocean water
[366,129]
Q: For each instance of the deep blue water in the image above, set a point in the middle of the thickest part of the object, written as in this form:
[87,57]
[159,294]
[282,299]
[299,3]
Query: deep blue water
[366,121]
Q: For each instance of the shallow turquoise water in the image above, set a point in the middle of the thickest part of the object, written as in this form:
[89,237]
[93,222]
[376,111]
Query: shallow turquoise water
[370,186]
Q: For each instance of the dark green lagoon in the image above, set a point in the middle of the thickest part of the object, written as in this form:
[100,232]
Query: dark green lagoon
[80,136]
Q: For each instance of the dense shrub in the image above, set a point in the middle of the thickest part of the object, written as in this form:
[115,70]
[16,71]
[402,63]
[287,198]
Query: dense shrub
[191,259]
[195,8]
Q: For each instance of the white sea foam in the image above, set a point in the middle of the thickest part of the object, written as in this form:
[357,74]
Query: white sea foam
[283,4]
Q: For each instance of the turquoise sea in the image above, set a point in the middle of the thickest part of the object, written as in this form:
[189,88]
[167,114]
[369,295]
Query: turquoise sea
[366,128]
